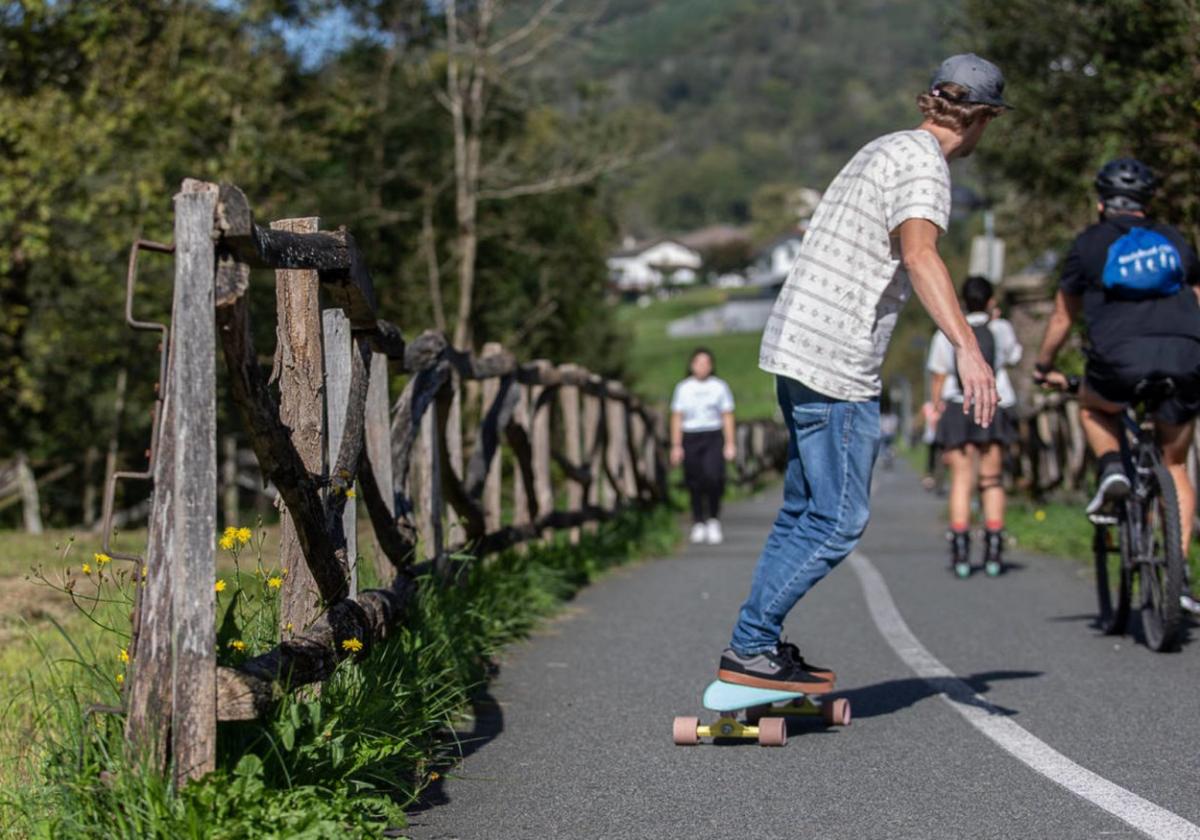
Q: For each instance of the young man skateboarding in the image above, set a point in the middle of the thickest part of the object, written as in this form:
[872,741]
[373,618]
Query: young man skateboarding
[872,239]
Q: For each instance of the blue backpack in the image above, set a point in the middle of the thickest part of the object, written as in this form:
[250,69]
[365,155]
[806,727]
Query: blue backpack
[1143,264]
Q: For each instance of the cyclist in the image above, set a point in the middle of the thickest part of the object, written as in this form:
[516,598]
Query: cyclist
[1137,283]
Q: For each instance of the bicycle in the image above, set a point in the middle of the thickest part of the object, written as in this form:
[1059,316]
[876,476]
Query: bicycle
[1151,566]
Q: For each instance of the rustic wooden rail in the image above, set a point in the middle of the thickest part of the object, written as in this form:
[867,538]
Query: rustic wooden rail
[577,448]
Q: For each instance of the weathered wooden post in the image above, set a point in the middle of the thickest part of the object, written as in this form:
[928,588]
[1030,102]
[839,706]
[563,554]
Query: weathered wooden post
[338,345]
[31,515]
[628,477]
[493,484]
[568,401]
[229,485]
[299,364]
[614,425]
[593,440]
[543,487]
[520,417]
[454,450]
[428,498]
[379,451]
[637,451]
[173,682]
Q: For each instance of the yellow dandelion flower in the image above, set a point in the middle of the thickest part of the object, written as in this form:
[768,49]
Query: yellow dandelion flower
[243,535]
[350,494]
[1039,515]
[289,627]
[227,542]
[101,559]
[433,777]
[274,582]
[123,655]
[238,644]
[120,679]
[219,586]
[87,568]
[352,645]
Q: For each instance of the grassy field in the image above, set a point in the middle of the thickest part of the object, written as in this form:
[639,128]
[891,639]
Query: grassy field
[657,361]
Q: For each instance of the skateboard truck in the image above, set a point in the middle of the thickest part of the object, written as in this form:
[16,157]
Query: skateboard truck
[765,721]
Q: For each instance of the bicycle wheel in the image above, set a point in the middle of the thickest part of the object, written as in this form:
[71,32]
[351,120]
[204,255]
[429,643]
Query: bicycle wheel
[1160,563]
[1112,578]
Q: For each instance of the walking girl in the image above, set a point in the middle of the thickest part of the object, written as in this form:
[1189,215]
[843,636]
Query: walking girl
[702,439]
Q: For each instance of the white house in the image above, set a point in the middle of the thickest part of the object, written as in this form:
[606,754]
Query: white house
[775,259]
[639,268]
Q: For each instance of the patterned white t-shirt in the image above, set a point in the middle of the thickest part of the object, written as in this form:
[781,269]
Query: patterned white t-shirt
[832,322]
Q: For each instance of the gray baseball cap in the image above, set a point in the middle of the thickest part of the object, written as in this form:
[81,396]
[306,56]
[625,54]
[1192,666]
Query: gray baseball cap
[982,79]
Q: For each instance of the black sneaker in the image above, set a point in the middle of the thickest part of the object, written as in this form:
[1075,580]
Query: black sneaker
[793,652]
[1112,490]
[772,669]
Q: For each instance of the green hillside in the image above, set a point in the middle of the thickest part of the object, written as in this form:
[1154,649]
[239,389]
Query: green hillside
[755,95]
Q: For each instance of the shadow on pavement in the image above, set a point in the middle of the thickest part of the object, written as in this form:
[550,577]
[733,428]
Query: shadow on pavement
[488,724]
[888,697]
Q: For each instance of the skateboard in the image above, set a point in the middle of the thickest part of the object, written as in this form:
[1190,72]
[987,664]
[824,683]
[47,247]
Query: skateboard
[766,713]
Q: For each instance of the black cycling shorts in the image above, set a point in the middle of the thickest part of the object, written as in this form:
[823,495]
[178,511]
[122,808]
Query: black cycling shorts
[1116,373]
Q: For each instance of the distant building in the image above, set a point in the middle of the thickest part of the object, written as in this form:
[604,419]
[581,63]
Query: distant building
[775,259]
[652,265]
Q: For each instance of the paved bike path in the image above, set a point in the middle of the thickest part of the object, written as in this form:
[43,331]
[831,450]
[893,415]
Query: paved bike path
[574,738]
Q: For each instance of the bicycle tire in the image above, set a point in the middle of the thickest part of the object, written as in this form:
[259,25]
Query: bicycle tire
[1160,564]
[1112,590]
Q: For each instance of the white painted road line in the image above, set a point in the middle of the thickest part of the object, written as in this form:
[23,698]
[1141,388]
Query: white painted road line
[1141,814]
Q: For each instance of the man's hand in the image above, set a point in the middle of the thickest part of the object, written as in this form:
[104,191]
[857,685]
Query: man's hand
[730,451]
[676,455]
[931,282]
[978,384]
[1052,380]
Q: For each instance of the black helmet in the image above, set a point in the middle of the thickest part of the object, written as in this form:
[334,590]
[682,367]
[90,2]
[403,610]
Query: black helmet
[1125,183]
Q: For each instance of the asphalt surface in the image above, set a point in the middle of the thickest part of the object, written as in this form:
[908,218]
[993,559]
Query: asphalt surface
[574,738]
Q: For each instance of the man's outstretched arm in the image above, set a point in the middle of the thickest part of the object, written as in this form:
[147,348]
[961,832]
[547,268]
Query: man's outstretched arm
[931,281]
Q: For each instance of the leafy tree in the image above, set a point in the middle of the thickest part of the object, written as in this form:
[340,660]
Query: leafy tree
[1092,80]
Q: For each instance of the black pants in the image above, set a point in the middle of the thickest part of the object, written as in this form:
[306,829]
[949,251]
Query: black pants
[704,472]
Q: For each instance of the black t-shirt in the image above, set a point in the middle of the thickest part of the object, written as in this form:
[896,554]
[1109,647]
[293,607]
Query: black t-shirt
[1114,317]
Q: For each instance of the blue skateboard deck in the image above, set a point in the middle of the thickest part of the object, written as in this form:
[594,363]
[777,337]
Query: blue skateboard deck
[721,696]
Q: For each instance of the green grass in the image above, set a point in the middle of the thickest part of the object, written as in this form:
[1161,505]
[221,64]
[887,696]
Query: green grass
[1054,528]
[657,361]
[341,763]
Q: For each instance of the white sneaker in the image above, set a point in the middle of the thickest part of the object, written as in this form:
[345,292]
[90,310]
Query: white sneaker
[714,535]
[699,533]
[1190,604]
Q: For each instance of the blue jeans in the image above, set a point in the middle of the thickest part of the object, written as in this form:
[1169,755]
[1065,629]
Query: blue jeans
[826,500]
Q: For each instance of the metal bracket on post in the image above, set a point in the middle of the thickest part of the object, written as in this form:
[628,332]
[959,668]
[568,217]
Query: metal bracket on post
[164,348]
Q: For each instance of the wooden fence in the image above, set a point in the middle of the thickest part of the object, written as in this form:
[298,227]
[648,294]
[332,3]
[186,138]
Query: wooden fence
[1052,453]
[575,448]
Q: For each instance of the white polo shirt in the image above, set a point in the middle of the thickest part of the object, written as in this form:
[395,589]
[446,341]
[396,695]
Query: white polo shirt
[702,402]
